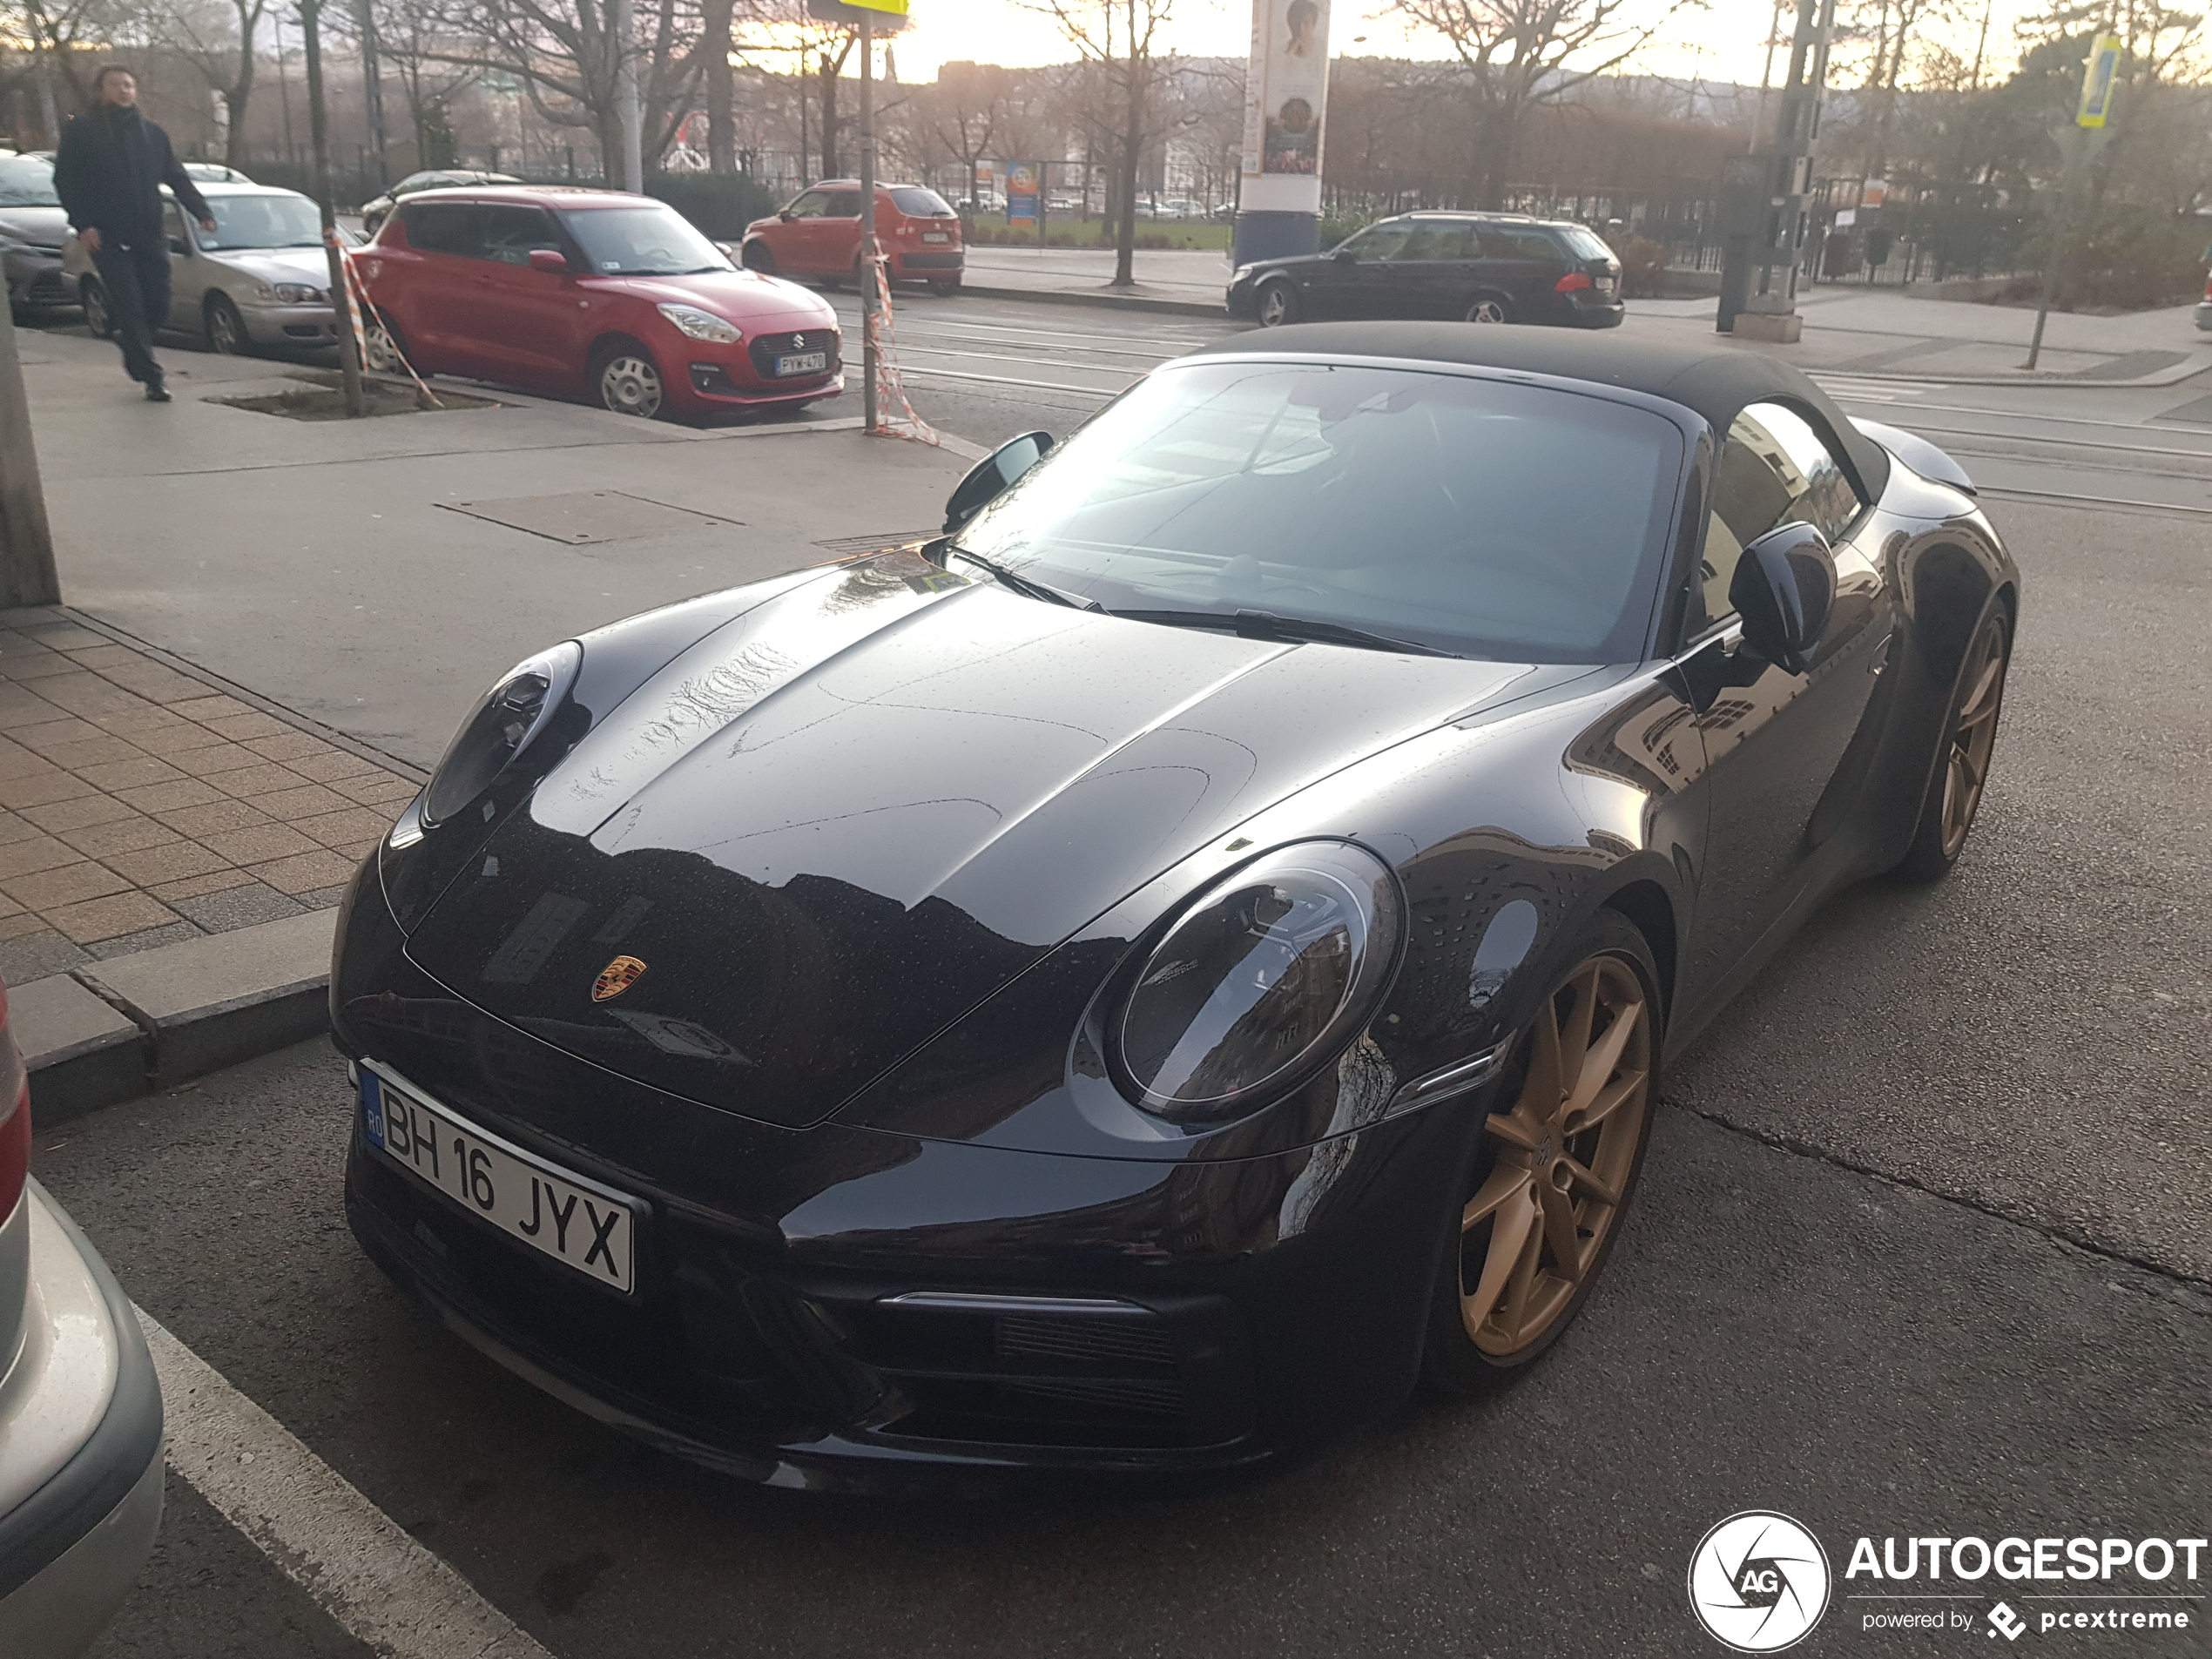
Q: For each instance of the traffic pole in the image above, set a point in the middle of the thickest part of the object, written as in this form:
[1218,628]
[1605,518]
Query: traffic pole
[27,574]
[869,303]
[342,302]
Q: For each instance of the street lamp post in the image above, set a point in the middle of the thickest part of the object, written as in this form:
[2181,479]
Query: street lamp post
[342,302]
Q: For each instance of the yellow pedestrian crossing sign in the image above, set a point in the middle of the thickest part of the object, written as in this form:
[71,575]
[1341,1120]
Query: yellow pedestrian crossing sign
[2097,79]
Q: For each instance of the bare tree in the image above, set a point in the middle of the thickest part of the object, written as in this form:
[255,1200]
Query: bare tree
[1118,40]
[216,38]
[413,39]
[964,111]
[1521,53]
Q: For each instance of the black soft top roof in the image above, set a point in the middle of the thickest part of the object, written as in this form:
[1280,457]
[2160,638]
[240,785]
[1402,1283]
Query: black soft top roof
[1713,381]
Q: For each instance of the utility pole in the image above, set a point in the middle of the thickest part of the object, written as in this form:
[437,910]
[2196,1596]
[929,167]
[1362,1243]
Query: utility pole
[2078,146]
[870,303]
[627,112]
[341,302]
[26,547]
[372,87]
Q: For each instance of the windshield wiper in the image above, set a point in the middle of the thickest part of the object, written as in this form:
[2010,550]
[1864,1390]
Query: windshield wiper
[1023,584]
[1266,625]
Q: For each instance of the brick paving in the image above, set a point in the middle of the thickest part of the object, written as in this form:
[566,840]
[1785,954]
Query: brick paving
[140,805]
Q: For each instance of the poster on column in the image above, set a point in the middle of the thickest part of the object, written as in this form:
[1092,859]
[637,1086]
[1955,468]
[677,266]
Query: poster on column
[1286,89]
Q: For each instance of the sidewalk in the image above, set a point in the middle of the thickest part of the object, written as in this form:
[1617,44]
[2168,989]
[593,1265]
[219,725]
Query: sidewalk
[142,806]
[1179,281]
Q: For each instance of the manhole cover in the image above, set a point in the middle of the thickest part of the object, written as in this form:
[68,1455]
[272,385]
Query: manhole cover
[588,515]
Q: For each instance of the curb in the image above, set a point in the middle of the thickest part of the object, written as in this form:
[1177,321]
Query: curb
[134,1025]
[1098,297]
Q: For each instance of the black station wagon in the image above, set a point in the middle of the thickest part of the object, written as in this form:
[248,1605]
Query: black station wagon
[1474,268]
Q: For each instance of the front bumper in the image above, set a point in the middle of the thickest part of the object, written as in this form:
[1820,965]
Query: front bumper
[844,1308]
[70,1552]
[706,376]
[307,328]
[34,278]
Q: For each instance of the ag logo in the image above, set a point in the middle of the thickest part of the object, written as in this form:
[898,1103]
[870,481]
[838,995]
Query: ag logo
[1758,1581]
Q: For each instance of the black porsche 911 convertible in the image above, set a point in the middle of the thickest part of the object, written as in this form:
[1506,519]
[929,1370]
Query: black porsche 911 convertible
[1136,984]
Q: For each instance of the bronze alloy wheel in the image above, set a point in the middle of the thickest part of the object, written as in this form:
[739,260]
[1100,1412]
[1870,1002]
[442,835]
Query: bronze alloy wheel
[1973,735]
[1532,1237]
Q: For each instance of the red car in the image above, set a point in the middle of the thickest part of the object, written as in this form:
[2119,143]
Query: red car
[819,235]
[567,290]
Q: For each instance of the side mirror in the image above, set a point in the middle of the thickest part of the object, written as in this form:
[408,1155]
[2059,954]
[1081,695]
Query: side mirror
[1783,588]
[993,475]
[1345,256]
[549,260]
[785,214]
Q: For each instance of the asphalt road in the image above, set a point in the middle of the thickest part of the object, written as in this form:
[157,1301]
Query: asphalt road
[1923,1247]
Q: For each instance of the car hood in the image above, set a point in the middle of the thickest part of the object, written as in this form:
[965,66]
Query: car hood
[309,265]
[40,226]
[746,298]
[835,825]
[1260,267]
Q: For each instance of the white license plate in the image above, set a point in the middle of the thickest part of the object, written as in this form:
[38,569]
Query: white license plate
[1605,284]
[936,236]
[578,1223]
[811,362]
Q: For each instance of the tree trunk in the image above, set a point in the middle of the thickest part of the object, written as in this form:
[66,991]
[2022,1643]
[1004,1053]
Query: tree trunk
[1132,143]
[832,163]
[721,89]
[1494,133]
[235,100]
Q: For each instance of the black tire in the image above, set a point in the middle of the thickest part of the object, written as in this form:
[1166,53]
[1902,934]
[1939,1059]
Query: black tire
[1489,308]
[1275,305]
[625,380]
[94,299]
[756,255]
[224,329]
[1962,757]
[946,287]
[1611,962]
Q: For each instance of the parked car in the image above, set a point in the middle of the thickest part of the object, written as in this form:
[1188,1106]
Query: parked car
[818,235]
[259,279]
[1478,268]
[1130,984]
[377,209]
[591,292]
[80,1412]
[33,229]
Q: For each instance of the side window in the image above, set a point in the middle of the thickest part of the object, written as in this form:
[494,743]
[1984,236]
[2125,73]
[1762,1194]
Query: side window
[1381,241]
[810,205]
[173,226]
[1774,470]
[443,228]
[1435,238]
[510,233]
[1529,244]
[841,204]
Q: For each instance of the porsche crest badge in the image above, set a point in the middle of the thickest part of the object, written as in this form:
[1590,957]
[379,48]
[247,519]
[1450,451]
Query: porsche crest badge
[617,977]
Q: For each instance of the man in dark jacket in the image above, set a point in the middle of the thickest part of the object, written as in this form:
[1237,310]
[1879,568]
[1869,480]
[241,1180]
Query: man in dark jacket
[109,172]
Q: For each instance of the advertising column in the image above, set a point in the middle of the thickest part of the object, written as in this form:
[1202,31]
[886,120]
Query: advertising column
[1286,88]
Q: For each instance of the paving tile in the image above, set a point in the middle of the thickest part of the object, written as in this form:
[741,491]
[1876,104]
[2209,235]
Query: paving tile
[109,916]
[203,821]
[187,735]
[171,862]
[139,719]
[46,890]
[34,663]
[218,755]
[81,812]
[20,705]
[99,749]
[18,762]
[133,773]
[176,932]
[303,873]
[95,653]
[8,907]
[71,637]
[175,893]
[357,850]
[49,735]
[244,906]
[161,798]
[40,787]
[13,828]
[33,853]
[19,922]
[251,724]
[309,800]
[210,708]
[344,829]
[289,746]
[324,898]
[153,680]
[262,779]
[89,696]
[378,790]
[126,834]
[256,846]
[328,768]
[35,955]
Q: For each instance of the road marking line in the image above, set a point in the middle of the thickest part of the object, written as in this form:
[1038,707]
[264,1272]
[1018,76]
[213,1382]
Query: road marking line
[1001,380]
[357,1564]
[2095,500]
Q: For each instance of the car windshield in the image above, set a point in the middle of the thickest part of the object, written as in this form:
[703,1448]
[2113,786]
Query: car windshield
[917,203]
[643,241]
[27,181]
[263,221]
[1483,517]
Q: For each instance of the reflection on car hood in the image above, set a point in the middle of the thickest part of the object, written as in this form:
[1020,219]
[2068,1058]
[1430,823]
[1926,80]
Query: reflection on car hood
[746,298]
[836,823]
[309,265]
[40,226]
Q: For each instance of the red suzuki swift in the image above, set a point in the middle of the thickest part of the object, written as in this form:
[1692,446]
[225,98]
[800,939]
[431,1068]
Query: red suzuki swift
[819,235]
[569,290]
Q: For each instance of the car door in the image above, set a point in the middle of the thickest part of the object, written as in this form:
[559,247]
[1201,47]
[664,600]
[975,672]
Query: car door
[1432,274]
[837,234]
[525,317]
[427,293]
[1353,282]
[187,274]
[791,241]
[1777,743]
[1521,263]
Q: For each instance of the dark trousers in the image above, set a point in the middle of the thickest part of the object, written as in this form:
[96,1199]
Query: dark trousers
[136,280]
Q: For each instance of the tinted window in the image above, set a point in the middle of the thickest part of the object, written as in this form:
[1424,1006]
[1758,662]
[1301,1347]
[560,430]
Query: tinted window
[263,221]
[443,227]
[643,241]
[1506,242]
[27,181]
[1381,241]
[1586,244]
[1483,516]
[173,226]
[1774,470]
[810,205]
[510,233]
[1438,239]
[917,203]
[841,204]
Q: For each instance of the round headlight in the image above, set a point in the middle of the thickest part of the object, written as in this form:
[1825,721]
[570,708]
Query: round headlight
[1264,977]
[499,728]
